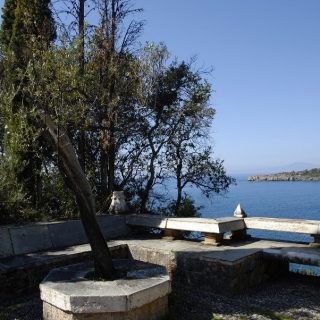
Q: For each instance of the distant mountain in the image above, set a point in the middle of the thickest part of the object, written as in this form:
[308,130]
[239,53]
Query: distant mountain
[304,175]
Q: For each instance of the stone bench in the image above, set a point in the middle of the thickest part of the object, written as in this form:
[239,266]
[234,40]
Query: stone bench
[311,227]
[29,238]
[23,273]
[213,229]
[305,256]
[43,246]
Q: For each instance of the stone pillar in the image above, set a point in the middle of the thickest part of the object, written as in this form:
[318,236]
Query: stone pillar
[118,203]
[213,239]
[171,234]
[316,238]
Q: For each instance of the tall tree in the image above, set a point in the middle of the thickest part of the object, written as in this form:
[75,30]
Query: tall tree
[8,18]
[26,25]
[35,104]
[113,59]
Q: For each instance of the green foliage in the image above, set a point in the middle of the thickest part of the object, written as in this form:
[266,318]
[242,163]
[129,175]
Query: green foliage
[8,18]
[136,118]
[186,208]
[15,206]
[33,25]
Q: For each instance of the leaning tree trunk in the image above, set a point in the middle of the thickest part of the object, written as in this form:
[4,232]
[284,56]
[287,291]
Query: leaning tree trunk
[77,181]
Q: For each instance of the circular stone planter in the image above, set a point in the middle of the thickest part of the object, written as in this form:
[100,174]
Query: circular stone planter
[141,294]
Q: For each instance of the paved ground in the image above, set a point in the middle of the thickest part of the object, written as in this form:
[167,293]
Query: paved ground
[290,298]
[230,252]
[293,297]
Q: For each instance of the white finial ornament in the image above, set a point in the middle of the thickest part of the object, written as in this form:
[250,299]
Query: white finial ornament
[239,212]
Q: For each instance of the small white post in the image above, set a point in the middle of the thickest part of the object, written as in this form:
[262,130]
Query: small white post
[240,234]
[239,212]
[118,203]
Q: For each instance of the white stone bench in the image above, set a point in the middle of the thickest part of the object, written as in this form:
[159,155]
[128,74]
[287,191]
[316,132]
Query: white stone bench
[311,227]
[213,229]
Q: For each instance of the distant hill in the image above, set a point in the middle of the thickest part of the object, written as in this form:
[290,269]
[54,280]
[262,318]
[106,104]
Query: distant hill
[305,175]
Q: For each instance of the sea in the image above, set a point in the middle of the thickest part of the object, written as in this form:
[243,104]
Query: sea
[297,200]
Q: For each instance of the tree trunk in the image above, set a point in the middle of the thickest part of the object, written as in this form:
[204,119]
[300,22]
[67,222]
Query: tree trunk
[82,134]
[146,192]
[179,197]
[76,179]
[179,182]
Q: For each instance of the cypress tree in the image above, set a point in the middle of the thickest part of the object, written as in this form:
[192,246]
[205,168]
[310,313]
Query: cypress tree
[8,17]
[27,25]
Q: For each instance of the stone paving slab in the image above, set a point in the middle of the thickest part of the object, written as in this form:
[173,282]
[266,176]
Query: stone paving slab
[230,252]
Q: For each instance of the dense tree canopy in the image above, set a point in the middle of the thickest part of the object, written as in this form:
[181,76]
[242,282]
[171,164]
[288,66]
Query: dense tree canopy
[137,118]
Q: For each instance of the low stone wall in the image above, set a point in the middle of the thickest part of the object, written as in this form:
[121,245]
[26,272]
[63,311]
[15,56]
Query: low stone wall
[154,310]
[141,293]
[25,274]
[222,277]
[16,239]
[227,278]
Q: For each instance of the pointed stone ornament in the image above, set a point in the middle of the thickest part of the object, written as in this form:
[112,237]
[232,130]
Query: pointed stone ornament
[239,212]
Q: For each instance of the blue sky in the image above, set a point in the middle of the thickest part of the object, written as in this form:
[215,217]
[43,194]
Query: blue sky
[265,56]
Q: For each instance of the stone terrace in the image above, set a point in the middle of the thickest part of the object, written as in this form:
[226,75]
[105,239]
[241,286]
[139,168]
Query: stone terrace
[231,269]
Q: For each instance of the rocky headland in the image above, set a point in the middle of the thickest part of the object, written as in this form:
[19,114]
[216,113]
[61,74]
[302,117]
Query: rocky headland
[305,175]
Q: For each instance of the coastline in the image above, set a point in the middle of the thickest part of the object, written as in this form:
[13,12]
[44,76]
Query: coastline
[306,175]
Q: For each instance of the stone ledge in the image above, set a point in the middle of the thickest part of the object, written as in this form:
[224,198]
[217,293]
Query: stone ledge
[218,225]
[68,290]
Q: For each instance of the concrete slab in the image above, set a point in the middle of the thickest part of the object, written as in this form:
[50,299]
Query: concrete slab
[286,225]
[67,233]
[147,221]
[229,253]
[6,249]
[220,225]
[31,238]
[113,226]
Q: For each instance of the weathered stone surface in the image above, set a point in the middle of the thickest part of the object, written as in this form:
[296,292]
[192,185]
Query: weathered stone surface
[286,225]
[219,225]
[24,273]
[6,249]
[113,226]
[30,238]
[172,225]
[153,311]
[146,221]
[67,289]
[213,239]
[307,256]
[67,233]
